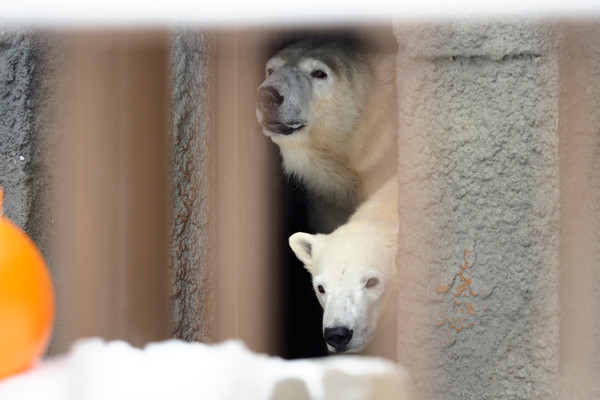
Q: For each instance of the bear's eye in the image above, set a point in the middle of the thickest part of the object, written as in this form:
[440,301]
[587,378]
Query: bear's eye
[321,289]
[269,71]
[372,282]
[319,74]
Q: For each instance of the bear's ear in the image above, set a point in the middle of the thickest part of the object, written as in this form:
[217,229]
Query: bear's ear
[302,244]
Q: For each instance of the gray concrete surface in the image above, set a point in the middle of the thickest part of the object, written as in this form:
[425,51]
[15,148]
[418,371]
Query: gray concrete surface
[479,144]
[192,285]
[17,101]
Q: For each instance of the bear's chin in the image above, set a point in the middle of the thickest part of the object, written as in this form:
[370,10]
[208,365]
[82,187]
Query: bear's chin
[352,350]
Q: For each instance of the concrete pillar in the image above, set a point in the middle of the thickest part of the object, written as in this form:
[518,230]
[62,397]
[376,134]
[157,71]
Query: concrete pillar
[31,69]
[192,185]
[17,62]
[479,209]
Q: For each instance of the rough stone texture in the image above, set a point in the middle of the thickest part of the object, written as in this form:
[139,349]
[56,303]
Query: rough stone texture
[29,60]
[17,64]
[479,202]
[47,183]
[192,285]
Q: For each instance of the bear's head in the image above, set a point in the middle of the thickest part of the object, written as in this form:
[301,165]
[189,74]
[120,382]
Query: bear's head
[313,85]
[354,274]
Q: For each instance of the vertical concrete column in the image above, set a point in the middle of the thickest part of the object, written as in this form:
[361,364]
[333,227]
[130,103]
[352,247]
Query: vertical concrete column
[192,185]
[17,63]
[479,197]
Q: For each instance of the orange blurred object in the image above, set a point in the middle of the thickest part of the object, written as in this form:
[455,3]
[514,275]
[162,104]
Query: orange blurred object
[26,300]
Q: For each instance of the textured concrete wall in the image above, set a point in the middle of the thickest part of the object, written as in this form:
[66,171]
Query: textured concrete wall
[17,62]
[192,280]
[479,182]
[29,61]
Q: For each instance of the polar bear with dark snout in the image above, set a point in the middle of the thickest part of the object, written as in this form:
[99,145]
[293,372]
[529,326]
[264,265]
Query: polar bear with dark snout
[354,275]
[330,106]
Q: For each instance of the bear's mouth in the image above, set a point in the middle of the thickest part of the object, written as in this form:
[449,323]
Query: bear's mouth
[281,128]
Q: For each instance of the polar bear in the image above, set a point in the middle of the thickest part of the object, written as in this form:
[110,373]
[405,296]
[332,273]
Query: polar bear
[354,275]
[330,105]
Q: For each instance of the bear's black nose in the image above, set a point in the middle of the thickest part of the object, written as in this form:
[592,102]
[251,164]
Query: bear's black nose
[338,337]
[269,99]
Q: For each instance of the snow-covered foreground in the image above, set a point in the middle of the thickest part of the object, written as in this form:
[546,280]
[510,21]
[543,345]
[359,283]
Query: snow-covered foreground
[174,369]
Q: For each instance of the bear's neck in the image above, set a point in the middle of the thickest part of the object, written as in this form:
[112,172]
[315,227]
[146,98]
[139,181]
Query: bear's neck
[376,151]
[326,174]
[348,171]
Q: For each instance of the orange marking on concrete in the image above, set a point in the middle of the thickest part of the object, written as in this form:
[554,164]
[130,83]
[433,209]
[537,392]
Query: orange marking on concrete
[464,310]
[442,288]
[469,308]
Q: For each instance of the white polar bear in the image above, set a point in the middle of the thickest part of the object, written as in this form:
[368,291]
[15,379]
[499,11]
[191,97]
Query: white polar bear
[354,275]
[330,106]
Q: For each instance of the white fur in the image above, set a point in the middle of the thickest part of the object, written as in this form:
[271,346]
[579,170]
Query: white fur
[347,148]
[343,261]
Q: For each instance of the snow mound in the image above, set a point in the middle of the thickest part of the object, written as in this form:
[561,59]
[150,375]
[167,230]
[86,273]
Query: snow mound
[173,369]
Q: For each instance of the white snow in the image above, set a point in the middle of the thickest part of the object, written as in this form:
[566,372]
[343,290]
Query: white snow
[95,369]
